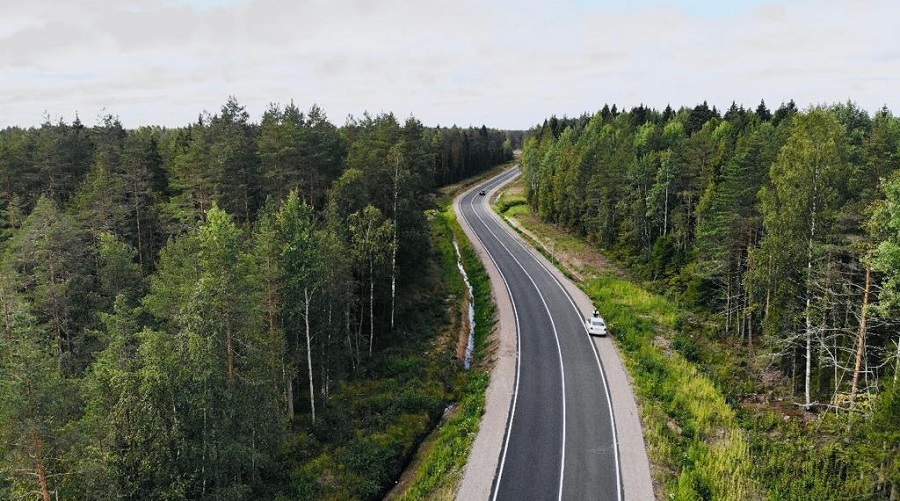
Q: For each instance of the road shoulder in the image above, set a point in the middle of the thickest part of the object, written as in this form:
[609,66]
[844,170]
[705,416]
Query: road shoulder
[481,467]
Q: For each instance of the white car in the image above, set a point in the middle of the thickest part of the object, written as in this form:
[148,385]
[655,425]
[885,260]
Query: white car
[596,326]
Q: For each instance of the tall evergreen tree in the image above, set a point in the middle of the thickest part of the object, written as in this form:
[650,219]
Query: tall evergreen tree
[234,156]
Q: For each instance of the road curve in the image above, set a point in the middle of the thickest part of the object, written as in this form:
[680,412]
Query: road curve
[560,439]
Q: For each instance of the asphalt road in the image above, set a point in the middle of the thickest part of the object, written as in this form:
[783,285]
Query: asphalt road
[560,436]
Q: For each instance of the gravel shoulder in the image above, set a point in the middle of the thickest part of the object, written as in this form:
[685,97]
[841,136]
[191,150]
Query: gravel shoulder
[485,454]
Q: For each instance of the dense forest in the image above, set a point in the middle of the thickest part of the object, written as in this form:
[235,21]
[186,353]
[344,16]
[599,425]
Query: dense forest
[214,311]
[781,229]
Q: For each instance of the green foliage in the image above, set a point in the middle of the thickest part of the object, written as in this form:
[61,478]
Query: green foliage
[886,257]
[760,224]
[37,408]
[158,315]
[443,465]
[727,211]
[54,277]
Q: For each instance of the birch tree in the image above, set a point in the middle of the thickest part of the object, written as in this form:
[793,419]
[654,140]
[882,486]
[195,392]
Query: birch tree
[885,225]
[302,271]
[370,235]
[801,204]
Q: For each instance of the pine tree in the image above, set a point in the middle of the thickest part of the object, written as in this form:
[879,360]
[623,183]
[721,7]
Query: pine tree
[205,294]
[53,262]
[762,112]
[37,405]
[145,185]
[234,156]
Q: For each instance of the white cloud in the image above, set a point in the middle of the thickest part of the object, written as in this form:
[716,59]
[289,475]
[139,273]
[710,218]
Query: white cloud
[505,64]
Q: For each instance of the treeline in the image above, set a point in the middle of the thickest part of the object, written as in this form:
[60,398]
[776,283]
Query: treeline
[781,232]
[179,306]
[782,222]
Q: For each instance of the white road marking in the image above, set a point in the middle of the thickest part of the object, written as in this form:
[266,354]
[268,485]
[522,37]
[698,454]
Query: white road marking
[612,417]
[512,411]
[619,487]
[559,352]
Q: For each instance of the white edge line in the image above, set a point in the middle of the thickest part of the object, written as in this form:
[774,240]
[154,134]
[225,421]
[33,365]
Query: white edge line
[612,417]
[558,351]
[512,410]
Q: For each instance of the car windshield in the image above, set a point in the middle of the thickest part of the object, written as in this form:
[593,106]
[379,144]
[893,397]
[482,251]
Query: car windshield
[597,321]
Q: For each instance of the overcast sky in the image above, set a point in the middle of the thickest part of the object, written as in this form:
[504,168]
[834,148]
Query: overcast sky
[506,64]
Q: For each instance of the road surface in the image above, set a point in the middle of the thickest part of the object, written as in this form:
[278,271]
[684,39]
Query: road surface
[560,436]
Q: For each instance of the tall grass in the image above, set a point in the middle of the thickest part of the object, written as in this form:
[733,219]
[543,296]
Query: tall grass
[507,202]
[689,427]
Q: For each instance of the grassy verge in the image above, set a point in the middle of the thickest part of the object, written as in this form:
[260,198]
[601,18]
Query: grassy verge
[439,468]
[694,439]
[691,431]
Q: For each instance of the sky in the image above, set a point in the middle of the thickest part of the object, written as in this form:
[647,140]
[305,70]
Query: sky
[503,63]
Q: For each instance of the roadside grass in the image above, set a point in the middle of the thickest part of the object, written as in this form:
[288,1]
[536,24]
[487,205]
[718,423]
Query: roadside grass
[689,427]
[439,468]
[508,201]
[693,436]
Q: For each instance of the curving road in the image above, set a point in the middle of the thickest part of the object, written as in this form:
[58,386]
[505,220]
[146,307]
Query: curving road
[560,437]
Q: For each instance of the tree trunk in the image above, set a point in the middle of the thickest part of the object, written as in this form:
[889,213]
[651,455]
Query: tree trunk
[728,307]
[41,469]
[809,257]
[897,362]
[394,245]
[666,207]
[808,374]
[288,391]
[359,330]
[354,349]
[57,324]
[137,222]
[861,338]
[246,204]
[326,346]
[393,276]
[749,325]
[229,351]
[371,304]
[768,290]
[312,393]
[7,320]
